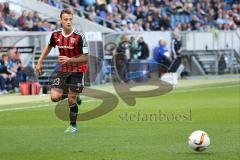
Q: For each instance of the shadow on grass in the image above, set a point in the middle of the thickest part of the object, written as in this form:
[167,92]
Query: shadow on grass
[204,153]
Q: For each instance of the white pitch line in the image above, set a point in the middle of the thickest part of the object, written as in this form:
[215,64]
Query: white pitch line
[177,91]
[31,107]
[20,108]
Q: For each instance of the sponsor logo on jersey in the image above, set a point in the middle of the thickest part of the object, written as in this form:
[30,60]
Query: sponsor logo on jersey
[72,40]
[66,47]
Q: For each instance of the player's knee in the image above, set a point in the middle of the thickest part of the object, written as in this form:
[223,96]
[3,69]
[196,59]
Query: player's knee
[72,99]
[56,95]
[55,98]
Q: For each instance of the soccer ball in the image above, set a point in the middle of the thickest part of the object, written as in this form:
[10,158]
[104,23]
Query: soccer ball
[199,140]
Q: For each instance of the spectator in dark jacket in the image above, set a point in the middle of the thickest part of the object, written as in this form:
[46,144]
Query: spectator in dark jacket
[176,45]
[36,17]
[11,19]
[164,23]
[37,26]
[143,48]
[4,74]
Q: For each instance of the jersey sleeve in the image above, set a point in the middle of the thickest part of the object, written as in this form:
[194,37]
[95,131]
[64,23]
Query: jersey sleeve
[84,45]
[52,42]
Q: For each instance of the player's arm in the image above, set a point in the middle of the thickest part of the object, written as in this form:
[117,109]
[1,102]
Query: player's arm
[46,50]
[44,54]
[81,59]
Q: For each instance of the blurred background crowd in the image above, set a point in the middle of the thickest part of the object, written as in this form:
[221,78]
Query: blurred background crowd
[25,21]
[134,15]
[149,15]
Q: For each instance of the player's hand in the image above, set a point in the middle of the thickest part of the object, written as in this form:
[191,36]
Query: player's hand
[63,59]
[38,68]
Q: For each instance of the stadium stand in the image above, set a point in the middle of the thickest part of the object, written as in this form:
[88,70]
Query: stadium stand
[129,15]
[27,21]
[39,17]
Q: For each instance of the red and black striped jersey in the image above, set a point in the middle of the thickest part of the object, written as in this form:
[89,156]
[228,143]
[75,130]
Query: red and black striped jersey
[72,45]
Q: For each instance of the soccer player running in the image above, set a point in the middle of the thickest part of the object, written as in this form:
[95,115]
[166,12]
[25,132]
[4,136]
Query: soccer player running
[73,57]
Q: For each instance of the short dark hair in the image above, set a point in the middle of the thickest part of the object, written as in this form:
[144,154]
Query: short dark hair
[65,11]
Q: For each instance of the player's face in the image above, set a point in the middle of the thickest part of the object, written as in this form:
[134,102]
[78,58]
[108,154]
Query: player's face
[66,21]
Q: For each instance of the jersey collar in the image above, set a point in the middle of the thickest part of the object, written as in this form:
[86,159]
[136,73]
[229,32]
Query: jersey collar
[68,34]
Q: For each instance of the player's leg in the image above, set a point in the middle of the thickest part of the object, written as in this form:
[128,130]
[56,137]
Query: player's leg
[65,95]
[65,92]
[72,97]
[56,94]
[57,84]
[73,107]
[75,87]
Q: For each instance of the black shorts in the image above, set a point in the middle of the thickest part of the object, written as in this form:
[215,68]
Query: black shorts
[68,80]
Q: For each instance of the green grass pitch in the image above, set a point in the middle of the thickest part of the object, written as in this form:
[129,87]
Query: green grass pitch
[127,133]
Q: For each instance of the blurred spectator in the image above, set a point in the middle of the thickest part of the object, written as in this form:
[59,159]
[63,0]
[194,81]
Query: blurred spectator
[123,56]
[1,17]
[89,2]
[1,7]
[129,6]
[37,26]
[115,27]
[14,66]
[6,9]
[103,12]
[220,19]
[129,27]
[133,48]
[140,24]
[46,26]
[176,45]
[143,49]
[29,19]
[22,19]
[124,46]
[126,19]
[2,85]
[147,27]
[91,13]
[161,53]
[75,4]
[26,27]
[4,74]
[36,17]
[136,28]
[11,19]
[112,6]
[55,3]
[3,26]
[162,56]
[138,13]
[100,2]
[24,73]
